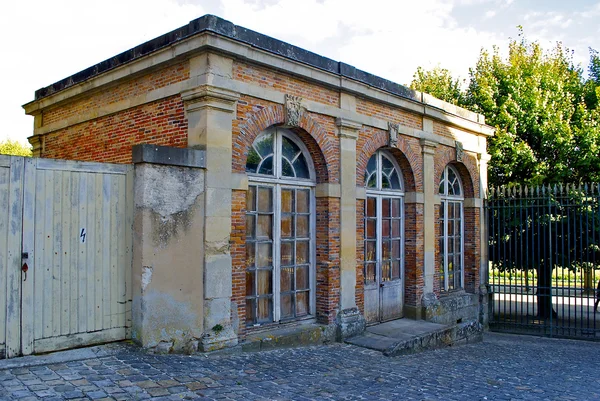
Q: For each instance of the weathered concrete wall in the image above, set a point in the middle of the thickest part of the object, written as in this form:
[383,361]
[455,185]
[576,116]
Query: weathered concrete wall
[452,308]
[168,254]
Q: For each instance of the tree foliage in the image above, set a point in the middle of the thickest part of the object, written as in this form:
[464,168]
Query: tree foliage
[14,148]
[546,113]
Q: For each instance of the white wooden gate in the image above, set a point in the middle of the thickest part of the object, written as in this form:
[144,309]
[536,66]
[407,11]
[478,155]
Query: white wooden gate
[65,254]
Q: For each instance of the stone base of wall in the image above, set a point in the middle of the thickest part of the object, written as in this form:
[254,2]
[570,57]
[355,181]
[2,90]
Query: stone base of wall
[349,323]
[452,308]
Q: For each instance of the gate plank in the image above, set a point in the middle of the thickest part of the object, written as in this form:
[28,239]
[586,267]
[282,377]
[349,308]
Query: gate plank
[91,252]
[115,251]
[98,262]
[56,252]
[13,267]
[73,257]
[107,249]
[82,254]
[128,262]
[4,226]
[65,253]
[27,299]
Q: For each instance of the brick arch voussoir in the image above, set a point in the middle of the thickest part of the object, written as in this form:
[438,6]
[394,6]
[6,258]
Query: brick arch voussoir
[274,115]
[403,153]
[467,170]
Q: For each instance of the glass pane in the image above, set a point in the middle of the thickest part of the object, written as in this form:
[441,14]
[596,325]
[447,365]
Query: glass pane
[264,145]
[386,250]
[395,207]
[302,255]
[451,175]
[370,273]
[289,150]
[396,249]
[450,211]
[250,232]
[450,280]
[450,225]
[287,200]
[395,228]
[371,180]
[250,311]
[395,270]
[372,164]
[450,245]
[456,188]
[386,166]
[266,166]
[250,287]
[265,199]
[370,251]
[301,167]
[265,255]
[301,303]
[301,278]
[302,201]
[287,275]
[302,228]
[287,256]
[251,199]
[385,182]
[287,223]
[286,168]
[265,307]
[371,228]
[250,254]
[265,226]
[264,282]
[252,161]
[385,207]
[385,271]
[395,181]
[441,189]
[286,306]
[371,207]
[385,228]
[457,210]
[442,209]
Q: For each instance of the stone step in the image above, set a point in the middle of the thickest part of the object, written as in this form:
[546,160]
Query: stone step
[301,334]
[404,336]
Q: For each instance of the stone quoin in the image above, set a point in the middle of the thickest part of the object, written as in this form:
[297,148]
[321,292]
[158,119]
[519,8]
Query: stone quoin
[277,187]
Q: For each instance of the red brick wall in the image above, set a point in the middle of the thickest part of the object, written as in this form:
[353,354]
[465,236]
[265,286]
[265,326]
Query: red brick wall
[394,115]
[110,138]
[238,257]
[285,83]
[138,86]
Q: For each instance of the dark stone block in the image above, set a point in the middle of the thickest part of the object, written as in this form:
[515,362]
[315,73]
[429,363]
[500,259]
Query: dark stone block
[182,157]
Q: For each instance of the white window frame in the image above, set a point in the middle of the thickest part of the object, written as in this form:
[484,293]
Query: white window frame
[380,193]
[277,182]
[446,199]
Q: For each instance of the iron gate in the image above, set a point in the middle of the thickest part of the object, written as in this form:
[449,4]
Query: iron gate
[545,260]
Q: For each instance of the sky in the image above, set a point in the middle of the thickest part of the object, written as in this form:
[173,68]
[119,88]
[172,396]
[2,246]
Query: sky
[45,41]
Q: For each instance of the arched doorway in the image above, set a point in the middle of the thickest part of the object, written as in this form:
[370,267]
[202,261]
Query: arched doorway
[280,229]
[383,239]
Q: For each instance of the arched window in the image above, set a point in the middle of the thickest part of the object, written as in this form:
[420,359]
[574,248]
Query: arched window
[451,239]
[280,233]
[383,239]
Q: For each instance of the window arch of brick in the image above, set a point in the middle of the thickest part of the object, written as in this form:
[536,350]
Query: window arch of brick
[319,145]
[403,154]
[467,169]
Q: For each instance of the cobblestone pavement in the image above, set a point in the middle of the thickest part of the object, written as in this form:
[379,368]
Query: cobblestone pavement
[503,367]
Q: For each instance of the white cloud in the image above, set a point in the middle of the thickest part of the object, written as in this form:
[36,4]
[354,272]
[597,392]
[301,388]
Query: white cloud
[490,14]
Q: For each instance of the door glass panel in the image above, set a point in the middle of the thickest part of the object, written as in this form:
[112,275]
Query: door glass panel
[385,207]
[301,278]
[250,219]
[265,310]
[385,271]
[385,228]
[286,226]
[302,249]
[396,207]
[371,207]
[265,226]
[370,251]
[301,303]
[251,309]
[395,228]
[286,306]
[287,256]
[265,255]
[250,257]
[396,249]
[385,250]
[250,282]
[251,199]
[370,273]
[395,270]
[265,199]
[287,274]
[287,198]
[302,224]
[302,201]
[371,229]
[263,284]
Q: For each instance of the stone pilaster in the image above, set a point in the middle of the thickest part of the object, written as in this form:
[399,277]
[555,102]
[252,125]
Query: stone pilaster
[350,322]
[210,111]
[429,192]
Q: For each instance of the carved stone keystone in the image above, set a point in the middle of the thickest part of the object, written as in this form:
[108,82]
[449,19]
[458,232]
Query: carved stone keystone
[293,110]
[393,134]
[459,151]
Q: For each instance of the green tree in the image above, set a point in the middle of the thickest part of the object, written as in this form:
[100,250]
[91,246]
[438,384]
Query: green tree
[439,83]
[14,148]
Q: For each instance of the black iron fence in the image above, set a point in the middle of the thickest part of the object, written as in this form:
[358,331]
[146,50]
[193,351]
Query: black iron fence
[545,260]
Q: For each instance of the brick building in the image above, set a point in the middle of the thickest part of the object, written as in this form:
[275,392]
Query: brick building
[330,195]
